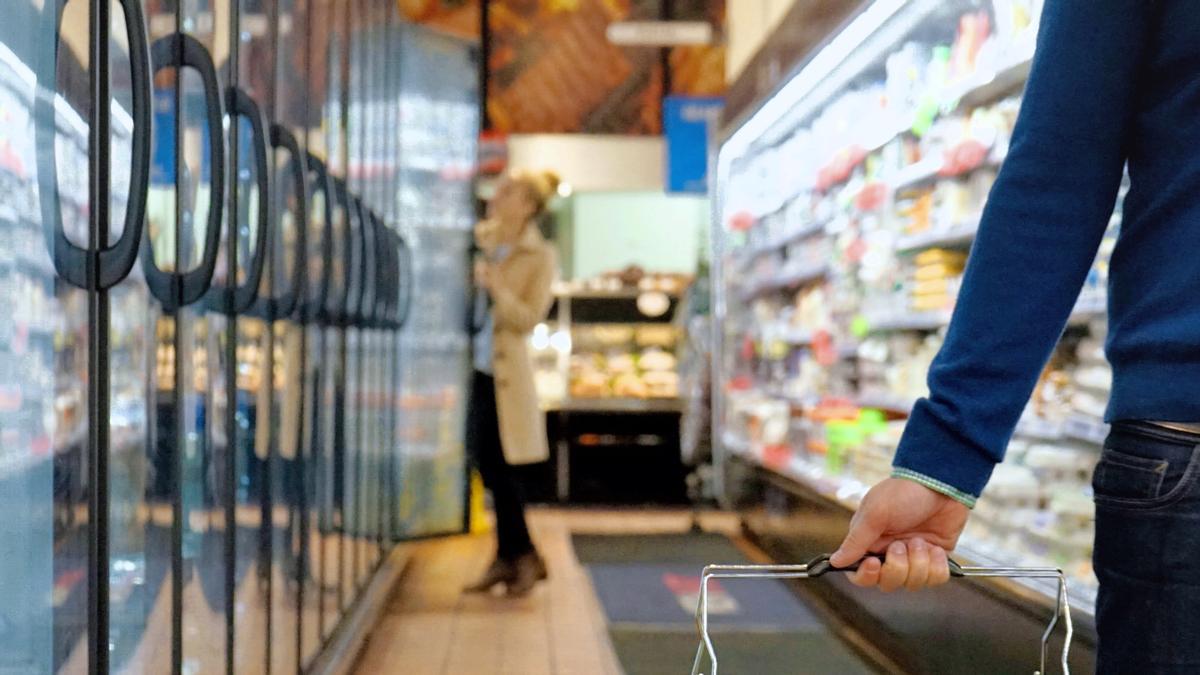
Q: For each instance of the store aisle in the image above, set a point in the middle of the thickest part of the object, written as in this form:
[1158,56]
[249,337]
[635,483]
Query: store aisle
[431,628]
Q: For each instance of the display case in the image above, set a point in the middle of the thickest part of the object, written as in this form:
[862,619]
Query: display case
[606,371]
[610,348]
[846,205]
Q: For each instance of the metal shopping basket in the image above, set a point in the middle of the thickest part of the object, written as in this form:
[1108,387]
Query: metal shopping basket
[820,566]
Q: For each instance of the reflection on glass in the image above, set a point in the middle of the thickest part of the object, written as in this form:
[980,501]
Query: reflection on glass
[44,486]
[311,467]
[331,444]
[253,545]
[288,486]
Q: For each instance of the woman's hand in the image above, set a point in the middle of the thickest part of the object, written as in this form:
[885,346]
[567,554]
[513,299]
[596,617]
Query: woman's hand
[486,232]
[483,275]
[915,525]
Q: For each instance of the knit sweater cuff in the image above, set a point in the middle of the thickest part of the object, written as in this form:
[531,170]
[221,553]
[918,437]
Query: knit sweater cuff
[940,459]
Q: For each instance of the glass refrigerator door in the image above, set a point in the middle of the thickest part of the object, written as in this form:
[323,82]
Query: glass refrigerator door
[309,351]
[44,484]
[199,384]
[256,63]
[436,212]
[292,266]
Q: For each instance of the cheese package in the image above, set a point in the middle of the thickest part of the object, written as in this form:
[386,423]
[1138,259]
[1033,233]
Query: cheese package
[942,256]
[937,271]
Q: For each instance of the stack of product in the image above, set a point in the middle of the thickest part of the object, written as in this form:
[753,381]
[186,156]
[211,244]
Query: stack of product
[624,361]
[936,277]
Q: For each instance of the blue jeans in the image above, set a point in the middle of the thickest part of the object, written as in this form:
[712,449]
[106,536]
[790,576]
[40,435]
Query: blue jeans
[1147,555]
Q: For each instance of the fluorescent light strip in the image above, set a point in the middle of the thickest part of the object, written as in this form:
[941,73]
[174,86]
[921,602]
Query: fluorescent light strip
[821,65]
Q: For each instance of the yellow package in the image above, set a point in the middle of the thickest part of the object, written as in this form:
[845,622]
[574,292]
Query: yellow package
[924,303]
[942,256]
[937,271]
[931,287]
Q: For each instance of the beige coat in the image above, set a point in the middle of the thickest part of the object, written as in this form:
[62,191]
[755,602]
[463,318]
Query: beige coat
[521,297]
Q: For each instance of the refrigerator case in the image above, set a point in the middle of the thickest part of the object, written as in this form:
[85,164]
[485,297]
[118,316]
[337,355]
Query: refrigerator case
[436,148]
[43,361]
[845,206]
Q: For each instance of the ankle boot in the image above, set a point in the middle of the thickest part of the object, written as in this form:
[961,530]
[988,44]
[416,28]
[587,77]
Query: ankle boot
[530,569]
[499,572]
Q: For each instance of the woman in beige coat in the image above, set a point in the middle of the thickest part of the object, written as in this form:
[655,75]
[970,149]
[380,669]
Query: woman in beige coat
[505,424]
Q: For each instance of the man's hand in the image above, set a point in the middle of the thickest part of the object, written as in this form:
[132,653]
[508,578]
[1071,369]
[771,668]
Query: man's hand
[915,525]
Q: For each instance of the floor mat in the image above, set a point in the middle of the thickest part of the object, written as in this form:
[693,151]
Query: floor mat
[701,548]
[666,595]
[657,652]
[648,586]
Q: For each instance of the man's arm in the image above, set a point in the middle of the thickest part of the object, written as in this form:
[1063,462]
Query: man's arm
[1037,240]
[1040,231]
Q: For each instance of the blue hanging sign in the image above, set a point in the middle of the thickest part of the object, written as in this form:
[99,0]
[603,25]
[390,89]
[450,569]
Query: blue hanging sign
[688,123]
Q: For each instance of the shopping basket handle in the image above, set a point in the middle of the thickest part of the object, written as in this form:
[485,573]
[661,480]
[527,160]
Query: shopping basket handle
[820,565]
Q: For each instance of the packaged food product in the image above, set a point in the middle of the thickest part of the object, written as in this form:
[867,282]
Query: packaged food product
[661,384]
[629,385]
[656,336]
[937,271]
[936,256]
[656,360]
[620,364]
[590,385]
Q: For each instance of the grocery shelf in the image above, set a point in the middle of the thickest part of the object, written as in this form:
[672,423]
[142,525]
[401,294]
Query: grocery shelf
[786,280]
[847,493]
[780,241]
[1086,429]
[916,175]
[788,335]
[1090,306]
[978,90]
[887,402]
[985,88]
[915,321]
[1039,429]
[614,405]
[958,235]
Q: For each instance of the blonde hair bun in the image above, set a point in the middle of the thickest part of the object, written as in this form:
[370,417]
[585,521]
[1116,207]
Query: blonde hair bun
[542,186]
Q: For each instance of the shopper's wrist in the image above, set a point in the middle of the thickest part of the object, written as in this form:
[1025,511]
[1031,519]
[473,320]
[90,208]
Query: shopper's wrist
[964,498]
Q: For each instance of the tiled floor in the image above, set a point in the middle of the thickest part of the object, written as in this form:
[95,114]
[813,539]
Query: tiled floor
[431,628]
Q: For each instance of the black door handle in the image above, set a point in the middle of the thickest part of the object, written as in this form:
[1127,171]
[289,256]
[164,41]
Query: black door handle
[113,262]
[407,280]
[369,267]
[361,270]
[340,275]
[176,289]
[391,280]
[312,308]
[372,311]
[383,278]
[393,313]
[231,297]
[283,304]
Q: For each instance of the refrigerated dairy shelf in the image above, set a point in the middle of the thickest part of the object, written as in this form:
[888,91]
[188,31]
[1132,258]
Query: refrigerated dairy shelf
[783,240]
[985,88]
[614,405]
[904,320]
[886,402]
[958,235]
[1089,307]
[786,280]
[847,494]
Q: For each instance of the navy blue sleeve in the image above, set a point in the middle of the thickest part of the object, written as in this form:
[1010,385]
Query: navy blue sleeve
[1041,228]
